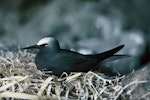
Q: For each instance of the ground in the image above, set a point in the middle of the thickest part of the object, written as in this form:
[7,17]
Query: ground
[20,79]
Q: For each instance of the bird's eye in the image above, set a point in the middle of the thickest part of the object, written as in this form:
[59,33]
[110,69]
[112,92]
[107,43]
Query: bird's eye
[44,45]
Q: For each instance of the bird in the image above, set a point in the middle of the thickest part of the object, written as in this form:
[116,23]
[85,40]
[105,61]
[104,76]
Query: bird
[52,57]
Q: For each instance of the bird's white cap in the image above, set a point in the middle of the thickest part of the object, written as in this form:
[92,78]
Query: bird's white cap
[45,40]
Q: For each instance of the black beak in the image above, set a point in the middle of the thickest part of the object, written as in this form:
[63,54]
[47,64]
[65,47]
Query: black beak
[32,47]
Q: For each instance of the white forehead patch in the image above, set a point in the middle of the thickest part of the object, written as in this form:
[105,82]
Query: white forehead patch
[45,40]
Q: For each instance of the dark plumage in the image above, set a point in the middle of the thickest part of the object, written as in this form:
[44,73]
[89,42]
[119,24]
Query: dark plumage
[52,57]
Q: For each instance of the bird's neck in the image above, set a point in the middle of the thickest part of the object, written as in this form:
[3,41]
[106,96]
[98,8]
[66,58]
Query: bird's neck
[50,51]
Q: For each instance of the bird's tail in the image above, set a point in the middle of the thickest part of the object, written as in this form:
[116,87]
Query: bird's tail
[115,57]
[102,56]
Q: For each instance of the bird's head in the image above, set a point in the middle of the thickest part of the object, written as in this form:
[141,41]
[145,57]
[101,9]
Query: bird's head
[47,43]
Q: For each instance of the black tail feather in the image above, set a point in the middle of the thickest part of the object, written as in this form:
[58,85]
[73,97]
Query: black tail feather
[107,54]
[115,57]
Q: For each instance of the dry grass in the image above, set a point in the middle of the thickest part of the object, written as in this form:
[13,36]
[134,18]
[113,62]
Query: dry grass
[21,80]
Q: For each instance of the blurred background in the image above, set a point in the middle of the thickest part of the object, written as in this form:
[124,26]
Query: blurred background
[87,26]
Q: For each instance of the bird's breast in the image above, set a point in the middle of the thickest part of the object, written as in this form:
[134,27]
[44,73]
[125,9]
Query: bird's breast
[41,60]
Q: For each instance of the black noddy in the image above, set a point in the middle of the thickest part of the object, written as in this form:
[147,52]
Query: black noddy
[51,57]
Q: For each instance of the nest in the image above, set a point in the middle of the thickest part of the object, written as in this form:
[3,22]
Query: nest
[20,79]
